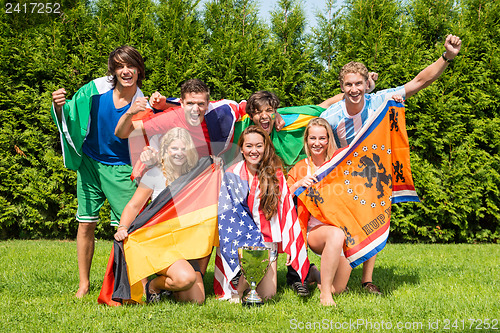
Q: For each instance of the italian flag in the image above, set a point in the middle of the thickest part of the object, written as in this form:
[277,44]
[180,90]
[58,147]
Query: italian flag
[73,127]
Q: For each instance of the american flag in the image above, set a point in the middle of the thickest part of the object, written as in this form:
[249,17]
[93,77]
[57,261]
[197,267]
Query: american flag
[345,196]
[242,223]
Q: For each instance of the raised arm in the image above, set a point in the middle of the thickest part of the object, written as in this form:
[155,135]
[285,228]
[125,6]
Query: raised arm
[432,72]
[125,125]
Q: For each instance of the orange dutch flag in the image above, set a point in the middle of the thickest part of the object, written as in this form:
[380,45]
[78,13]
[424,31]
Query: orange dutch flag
[356,188]
[181,223]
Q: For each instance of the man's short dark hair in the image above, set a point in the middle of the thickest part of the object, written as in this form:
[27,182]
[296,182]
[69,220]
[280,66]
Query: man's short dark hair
[355,68]
[129,56]
[260,99]
[194,86]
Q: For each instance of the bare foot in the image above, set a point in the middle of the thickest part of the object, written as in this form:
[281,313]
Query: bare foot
[327,300]
[235,299]
[82,291]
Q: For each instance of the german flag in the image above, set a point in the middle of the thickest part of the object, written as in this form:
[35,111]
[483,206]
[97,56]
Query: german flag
[181,223]
[357,186]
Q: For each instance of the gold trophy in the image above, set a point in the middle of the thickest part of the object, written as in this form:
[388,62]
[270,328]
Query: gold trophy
[254,261]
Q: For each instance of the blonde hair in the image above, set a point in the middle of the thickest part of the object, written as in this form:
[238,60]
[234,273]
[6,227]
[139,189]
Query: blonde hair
[353,67]
[260,99]
[126,55]
[269,164]
[320,122]
[177,133]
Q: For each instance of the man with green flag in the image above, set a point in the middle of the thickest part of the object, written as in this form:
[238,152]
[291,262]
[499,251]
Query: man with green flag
[285,125]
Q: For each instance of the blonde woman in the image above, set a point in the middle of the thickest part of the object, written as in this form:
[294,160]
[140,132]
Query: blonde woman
[178,156]
[324,239]
[256,207]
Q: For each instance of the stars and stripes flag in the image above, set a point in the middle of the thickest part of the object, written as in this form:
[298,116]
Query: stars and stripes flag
[242,223]
[356,188]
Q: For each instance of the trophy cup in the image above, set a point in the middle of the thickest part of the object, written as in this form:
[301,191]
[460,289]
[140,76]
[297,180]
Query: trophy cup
[254,261]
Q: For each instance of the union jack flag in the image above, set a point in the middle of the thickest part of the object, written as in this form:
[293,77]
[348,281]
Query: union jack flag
[242,223]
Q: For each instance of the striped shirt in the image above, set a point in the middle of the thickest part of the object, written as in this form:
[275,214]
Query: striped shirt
[344,126]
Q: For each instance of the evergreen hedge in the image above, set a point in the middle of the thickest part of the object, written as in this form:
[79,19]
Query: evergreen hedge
[453,124]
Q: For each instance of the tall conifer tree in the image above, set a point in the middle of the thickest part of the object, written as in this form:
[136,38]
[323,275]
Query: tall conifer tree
[179,47]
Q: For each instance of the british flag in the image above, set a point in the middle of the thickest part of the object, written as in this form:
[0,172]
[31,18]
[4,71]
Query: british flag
[242,223]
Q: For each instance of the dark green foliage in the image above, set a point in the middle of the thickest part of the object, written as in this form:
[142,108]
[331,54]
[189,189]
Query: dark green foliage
[431,19]
[453,124]
[38,56]
[178,47]
[454,135]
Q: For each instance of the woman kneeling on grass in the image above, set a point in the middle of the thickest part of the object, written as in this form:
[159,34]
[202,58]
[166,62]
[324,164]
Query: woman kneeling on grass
[178,156]
[324,239]
[256,208]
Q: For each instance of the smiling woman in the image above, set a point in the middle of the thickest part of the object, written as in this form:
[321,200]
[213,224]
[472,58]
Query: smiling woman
[252,150]
[324,239]
[178,156]
[262,162]
[124,62]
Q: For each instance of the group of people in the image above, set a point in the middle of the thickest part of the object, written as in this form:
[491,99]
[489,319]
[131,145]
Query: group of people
[108,114]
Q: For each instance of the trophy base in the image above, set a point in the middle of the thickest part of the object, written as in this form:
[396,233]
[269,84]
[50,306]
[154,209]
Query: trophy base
[252,299]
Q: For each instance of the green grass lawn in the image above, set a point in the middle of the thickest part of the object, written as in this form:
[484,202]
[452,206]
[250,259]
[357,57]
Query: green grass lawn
[426,287]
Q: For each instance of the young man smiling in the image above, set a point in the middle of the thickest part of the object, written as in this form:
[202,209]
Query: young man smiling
[210,127]
[102,160]
[263,110]
[348,116]
[210,124]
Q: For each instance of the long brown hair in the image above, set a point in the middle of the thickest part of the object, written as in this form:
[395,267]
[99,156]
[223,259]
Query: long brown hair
[266,172]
